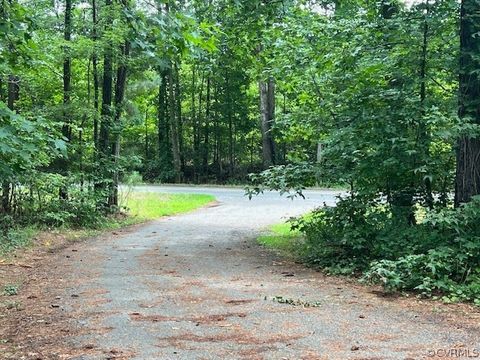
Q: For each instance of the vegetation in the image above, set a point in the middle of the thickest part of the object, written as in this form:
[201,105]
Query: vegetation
[281,237]
[136,208]
[150,206]
[382,96]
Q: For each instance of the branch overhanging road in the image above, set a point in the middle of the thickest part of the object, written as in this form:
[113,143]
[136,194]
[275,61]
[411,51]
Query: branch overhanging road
[197,286]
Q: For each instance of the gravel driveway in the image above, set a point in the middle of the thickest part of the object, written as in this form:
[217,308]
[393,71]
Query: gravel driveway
[197,286]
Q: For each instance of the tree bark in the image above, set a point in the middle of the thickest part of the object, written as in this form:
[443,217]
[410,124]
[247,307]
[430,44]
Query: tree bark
[229,104]
[174,128]
[267,110]
[163,121]
[106,117]
[13,94]
[467,182]
[424,137]
[179,116]
[67,80]
[147,144]
[107,96]
[120,85]
[96,102]
[206,139]
[195,123]
[67,72]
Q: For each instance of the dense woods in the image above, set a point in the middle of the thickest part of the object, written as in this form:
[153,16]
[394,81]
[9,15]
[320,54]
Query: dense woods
[379,96]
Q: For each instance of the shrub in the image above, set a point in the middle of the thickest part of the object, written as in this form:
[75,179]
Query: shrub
[439,256]
[450,266]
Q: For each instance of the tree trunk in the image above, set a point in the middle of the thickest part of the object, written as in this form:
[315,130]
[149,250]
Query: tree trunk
[164,147]
[267,110]
[467,182]
[229,104]
[174,129]
[206,134]
[67,72]
[67,79]
[178,115]
[13,94]
[106,115]
[96,102]
[119,98]
[195,123]
[107,96]
[147,145]
[424,138]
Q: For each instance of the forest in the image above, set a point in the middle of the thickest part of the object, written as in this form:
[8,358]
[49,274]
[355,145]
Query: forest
[381,97]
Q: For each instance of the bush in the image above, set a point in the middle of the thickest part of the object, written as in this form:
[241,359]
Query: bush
[450,266]
[341,239]
[438,256]
[80,210]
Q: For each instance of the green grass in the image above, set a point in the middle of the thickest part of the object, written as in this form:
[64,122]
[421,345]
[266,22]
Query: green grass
[140,207]
[282,238]
[150,206]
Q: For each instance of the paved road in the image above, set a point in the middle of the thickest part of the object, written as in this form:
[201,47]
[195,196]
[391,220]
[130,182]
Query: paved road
[197,286]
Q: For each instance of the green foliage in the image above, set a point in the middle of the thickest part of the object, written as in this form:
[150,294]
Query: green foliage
[341,238]
[370,100]
[25,144]
[289,179]
[439,255]
[451,264]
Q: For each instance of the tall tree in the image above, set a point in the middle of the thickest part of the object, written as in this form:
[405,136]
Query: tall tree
[67,80]
[67,71]
[96,82]
[120,84]
[174,125]
[267,111]
[467,182]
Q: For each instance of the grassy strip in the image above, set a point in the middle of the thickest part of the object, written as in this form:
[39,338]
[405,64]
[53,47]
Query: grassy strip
[282,238]
[149,206]
[141,207]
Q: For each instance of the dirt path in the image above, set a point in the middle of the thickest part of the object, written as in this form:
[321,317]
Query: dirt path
[197,286]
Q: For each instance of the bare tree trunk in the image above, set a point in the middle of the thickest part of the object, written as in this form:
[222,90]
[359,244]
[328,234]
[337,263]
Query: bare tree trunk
[13,94]
[67,80]
[230,123]
[179,116]
[267,111]
[467,182]
[106,115]
[424,138]
[147,145]
[96,102]
[163,122]
[195,123]
[67,72]
[174,134]
[107,97]
[119,98]
[206,139]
